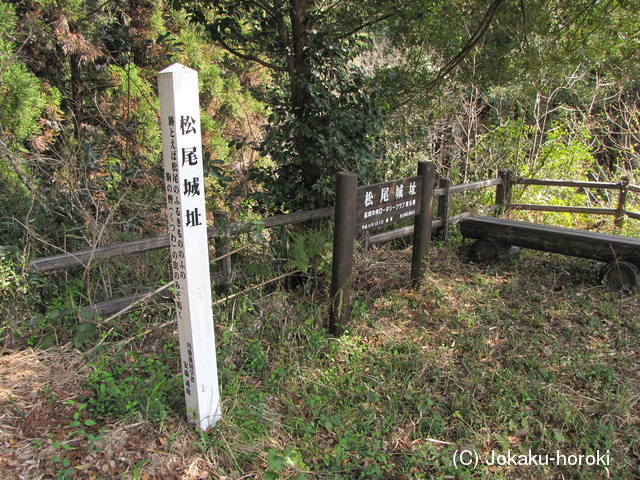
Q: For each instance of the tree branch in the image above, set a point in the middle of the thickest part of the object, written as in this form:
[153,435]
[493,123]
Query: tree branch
[473,41]
[368,24]
[264,5]
[16,53]
[252,58]
[485,23]
[16,167]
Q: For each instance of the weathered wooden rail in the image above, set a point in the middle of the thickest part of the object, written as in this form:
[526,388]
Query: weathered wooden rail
[621,254]
[623,187]
[84,258]
[503,183]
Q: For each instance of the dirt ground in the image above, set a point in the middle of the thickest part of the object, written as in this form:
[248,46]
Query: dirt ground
[40,395]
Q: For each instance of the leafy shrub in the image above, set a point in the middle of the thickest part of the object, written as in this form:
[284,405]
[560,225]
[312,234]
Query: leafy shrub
[310,252]
[17,295]
[130,382]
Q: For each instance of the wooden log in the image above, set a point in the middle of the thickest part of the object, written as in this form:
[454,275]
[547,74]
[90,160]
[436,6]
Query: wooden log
[566,241]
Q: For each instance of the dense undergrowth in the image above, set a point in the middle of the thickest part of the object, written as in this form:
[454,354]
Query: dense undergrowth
[528,357]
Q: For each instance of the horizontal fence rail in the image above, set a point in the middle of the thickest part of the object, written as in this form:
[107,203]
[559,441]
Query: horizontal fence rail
[562,208]
[440,224]
[468,187]
[619,212]
[86,257]
[568,183]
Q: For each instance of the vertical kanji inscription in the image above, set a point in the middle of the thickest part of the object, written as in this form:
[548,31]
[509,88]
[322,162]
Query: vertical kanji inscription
[182,154]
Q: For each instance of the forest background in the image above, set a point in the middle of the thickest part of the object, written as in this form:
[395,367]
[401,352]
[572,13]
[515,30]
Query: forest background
[292,93]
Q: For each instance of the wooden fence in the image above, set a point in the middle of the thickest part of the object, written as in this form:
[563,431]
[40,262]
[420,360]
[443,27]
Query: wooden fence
[504,184]
[623,187]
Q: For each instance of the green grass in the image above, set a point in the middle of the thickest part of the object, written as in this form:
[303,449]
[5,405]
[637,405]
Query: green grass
[527,357]
[530,356]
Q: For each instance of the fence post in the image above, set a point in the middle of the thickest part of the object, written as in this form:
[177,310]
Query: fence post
[221,221]
[422,226]
[443,210]
[503,191]
[343,239]
[622,201]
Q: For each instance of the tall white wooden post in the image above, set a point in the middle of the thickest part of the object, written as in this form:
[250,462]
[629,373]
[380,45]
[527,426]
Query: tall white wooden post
[184,182]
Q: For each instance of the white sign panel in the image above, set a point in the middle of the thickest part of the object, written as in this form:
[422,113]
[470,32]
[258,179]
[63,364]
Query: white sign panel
[184,183]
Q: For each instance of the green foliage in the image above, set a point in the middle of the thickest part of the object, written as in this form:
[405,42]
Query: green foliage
[289,461]
[19,296]
[550,90]
[310,252]
[324,115]
[23,103]
[134,96]
[13,284]
[340,131]
[24,99]
[57,317]
[566,154]
[561,152]
[81,429]
[124,384]
[29,120]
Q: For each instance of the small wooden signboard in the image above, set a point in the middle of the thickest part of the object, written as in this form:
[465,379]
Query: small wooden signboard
[184,183]
[374,206]
[380,204]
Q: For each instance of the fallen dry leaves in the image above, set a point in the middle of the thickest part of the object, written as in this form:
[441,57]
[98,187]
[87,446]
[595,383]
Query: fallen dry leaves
[39,394]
